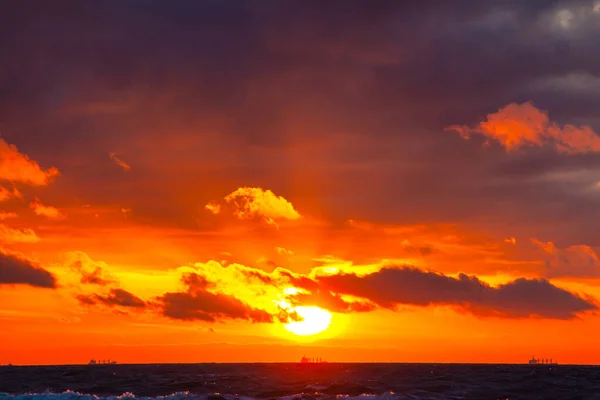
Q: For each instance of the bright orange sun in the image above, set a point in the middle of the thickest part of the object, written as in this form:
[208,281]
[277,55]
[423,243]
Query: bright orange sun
[314,320]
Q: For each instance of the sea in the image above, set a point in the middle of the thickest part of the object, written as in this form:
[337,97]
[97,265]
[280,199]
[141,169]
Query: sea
[296,381]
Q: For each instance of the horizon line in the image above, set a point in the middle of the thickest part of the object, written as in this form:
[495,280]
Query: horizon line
[296,362]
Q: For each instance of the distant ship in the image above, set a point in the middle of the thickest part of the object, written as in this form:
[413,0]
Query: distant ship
[101,362]
[312,360]
[541,361]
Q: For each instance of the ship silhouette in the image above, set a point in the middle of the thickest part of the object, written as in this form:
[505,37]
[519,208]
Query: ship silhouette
[542,361]
[312,360]
[101,362]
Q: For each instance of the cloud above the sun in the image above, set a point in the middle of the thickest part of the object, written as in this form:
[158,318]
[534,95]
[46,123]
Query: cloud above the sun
[250,203]
[516,126]
[198,303]
[17,235]
[391,287]
[115,297]
[43,210]
[6,194]
[574,261]
[91,272]
[119,162]
[18,167]
[213,292]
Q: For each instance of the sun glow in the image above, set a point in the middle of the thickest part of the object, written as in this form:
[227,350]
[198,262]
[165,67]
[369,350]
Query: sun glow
[314,320]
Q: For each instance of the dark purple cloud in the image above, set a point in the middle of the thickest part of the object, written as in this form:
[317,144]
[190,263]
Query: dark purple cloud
[92,272]
[95,278]
[331,301]
[197,303]
[390,287]
[15,270]
[521,298]
[206,306]
[116,297]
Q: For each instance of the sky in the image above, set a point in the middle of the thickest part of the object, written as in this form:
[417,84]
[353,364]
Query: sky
[370,180]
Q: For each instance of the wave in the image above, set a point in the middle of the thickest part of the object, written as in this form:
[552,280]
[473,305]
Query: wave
[71,395]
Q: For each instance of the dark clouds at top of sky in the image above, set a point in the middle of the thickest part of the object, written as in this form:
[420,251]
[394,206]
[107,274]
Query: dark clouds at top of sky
[80,79]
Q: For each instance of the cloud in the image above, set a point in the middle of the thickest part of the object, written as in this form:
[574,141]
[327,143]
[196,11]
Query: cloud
[213,207]
[424,250]
[343,148]
[330,301]
[45,211]
[510,240]
[16,235]
[521,125]
[92,272]
[575,261]
[206,306]
[279,277]
[521,298]
[282,251]
[346,292]
[6,194]
[206,295]
[6,215]
[255,202]
[16,269]
[17,167]
[197,303]
[119,162]
[115,297]
[213,293]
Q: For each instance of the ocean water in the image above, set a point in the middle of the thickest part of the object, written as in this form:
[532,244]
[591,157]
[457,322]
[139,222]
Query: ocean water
[299,382]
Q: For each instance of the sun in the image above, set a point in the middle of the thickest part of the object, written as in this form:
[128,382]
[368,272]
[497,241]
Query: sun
[314,320]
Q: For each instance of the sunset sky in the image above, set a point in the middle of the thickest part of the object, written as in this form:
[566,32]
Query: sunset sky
[198,181]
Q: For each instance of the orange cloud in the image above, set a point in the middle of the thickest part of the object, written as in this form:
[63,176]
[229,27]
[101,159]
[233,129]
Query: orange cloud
[282,251]
[6,194]
[92,272]
[45,211]
[574,261]
[119,162]
[6,215]
[520,125]
[17,167]
[255,202]
[10,235]
[213,207]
